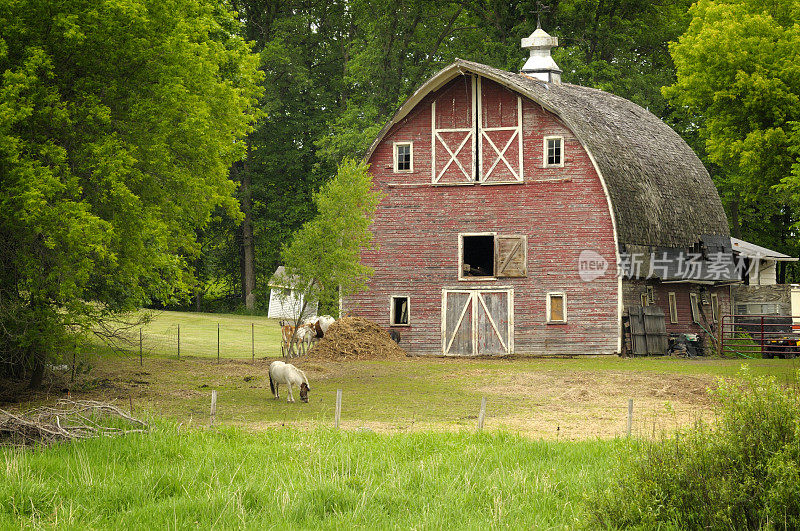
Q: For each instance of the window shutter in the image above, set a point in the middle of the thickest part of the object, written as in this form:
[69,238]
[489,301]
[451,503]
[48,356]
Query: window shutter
[511,254]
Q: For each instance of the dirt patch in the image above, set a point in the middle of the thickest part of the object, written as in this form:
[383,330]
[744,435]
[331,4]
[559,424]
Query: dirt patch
[355,338]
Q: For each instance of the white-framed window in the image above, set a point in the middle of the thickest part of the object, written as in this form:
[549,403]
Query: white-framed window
[673,308]
[693,306]
[553,155]
[488,255]
[757,308]
[400,310]
[403,157]
[715,307]
[556,307]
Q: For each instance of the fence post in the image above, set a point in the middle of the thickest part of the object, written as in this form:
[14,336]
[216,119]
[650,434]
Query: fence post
[217,342]
[630,415]
[762,336]
[140,347]
[213,406]
[253,340]
[338,412]
[179,341]
[482,413]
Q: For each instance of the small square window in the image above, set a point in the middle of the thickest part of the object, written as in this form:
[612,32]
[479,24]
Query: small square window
[403,157]
[399,311]
[556,308]
[553,151]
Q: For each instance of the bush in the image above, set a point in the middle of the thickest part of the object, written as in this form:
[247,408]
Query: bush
[742,472]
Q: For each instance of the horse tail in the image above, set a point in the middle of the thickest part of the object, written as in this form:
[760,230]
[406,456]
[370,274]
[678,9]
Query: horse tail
[271,384]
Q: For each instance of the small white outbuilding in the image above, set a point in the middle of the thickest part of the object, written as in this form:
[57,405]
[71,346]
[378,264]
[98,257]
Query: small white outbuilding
[285,302]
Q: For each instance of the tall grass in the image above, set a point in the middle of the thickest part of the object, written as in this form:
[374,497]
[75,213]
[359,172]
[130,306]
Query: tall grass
[743,472]
[174,478]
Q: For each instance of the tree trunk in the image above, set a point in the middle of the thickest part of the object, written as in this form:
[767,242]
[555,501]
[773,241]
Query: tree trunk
[37,375]
[248,251]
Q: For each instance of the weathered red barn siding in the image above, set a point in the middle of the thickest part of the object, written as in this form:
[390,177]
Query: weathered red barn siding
[633,290]
[561,210]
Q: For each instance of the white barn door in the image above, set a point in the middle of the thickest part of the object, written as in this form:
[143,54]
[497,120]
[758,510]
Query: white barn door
[477,322]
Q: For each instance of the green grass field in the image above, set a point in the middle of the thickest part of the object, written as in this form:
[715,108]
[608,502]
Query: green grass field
[408,455]
[321,479]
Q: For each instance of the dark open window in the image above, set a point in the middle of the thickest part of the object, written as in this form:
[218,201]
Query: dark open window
[478,256]
[399,311]
[489,255]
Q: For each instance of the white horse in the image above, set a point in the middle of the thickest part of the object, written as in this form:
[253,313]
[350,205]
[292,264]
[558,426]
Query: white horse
[286,373]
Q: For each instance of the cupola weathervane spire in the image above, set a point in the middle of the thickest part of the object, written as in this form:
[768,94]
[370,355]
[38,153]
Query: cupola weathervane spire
[540,64]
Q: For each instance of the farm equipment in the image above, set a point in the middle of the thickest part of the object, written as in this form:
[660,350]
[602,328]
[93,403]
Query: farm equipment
[786,347]
[767,336]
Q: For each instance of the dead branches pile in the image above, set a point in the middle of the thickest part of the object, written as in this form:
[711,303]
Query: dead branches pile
[65,421]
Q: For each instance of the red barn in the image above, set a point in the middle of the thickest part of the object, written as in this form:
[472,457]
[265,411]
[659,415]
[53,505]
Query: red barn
[525,215]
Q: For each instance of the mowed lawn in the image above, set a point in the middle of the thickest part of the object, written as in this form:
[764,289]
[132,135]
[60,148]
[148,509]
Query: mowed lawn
[201,334]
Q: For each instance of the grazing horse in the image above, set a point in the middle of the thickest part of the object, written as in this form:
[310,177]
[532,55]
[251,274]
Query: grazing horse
[286,373]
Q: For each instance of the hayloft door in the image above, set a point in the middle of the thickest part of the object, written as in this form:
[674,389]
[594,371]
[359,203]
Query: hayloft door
[453,132]
[477,322]
[500,133]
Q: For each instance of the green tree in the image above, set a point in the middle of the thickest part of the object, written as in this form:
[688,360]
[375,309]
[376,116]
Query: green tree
[118,123]
[325,254]
[738,78]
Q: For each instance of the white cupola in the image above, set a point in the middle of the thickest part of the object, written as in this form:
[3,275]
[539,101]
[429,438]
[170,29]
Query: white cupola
[540,65]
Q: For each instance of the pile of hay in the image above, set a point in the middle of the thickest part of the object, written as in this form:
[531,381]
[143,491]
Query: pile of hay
[355,338]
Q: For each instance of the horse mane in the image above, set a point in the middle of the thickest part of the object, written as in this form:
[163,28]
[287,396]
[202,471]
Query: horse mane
[303,375]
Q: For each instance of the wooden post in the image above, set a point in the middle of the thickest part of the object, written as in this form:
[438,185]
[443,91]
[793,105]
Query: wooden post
[482,413]
[338,413]
[179,341]
[140,347]
[213,406]
[630,415]
[253,340]
[217,342]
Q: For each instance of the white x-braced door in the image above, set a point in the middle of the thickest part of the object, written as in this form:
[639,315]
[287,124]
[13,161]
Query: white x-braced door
[500,146]
[477,322]
[453,145]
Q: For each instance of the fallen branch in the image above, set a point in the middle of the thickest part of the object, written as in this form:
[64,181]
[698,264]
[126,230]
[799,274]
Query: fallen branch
[67,420]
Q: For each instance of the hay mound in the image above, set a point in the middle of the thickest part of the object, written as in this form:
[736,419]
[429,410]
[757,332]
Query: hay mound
[355,338]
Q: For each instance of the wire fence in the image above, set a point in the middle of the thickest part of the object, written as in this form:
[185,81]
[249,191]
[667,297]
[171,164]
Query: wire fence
[221,340]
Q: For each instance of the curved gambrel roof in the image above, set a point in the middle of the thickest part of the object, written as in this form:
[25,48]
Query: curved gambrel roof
[660,192]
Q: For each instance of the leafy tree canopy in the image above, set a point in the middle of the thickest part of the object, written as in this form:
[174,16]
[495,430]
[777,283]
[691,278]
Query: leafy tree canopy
[118,123]
[325,254]
[738,77]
